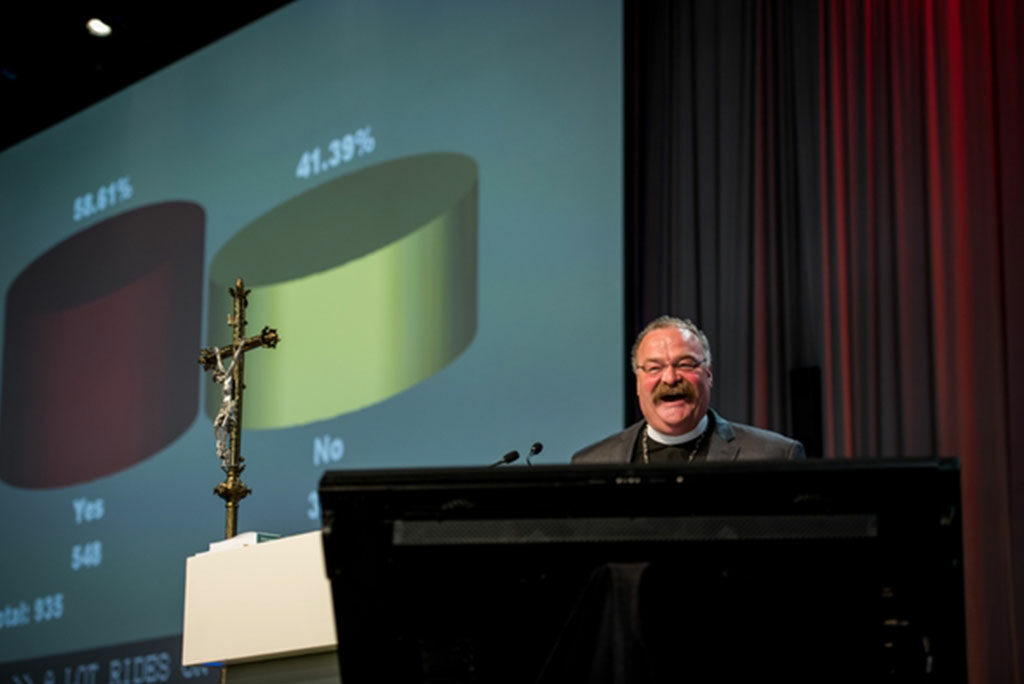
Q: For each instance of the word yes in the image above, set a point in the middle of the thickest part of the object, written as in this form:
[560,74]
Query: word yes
[86,510]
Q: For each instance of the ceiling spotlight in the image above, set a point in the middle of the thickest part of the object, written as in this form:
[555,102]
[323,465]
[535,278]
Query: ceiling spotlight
[97,27]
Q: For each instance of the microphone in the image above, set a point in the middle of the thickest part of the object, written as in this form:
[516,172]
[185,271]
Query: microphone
[534,450]
[507,458]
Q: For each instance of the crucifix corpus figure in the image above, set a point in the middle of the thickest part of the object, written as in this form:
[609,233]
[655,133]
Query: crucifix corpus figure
[227,426]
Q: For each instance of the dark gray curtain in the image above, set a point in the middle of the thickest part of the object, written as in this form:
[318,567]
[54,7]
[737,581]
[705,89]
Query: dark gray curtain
[721,197]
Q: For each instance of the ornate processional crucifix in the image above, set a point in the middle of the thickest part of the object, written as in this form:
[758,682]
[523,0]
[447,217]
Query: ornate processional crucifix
[227,426]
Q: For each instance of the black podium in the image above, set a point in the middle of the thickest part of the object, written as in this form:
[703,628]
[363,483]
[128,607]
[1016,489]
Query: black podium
[813,571]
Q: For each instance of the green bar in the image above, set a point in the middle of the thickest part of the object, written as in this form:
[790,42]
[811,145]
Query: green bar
[370,280]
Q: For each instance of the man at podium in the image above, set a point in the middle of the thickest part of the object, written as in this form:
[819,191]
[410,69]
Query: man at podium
[671,359]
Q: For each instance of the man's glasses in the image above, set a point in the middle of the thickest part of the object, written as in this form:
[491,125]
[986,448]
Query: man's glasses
[687,365]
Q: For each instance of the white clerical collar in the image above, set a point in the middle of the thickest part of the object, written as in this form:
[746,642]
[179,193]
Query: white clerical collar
[681,439]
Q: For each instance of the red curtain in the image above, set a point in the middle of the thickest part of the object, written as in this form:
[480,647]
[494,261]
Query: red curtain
[838,187]
[922,226]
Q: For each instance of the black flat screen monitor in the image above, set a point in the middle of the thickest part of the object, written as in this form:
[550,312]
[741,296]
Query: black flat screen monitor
[815,571]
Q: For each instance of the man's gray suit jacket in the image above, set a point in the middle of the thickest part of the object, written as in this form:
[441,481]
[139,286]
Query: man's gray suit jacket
[729,442]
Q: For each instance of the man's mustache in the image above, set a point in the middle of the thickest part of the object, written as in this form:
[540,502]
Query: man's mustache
[683,388]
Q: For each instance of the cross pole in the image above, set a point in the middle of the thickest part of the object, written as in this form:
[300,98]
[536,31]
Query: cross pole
[228,422]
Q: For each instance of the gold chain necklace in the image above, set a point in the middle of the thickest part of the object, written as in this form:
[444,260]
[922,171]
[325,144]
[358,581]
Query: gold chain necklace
[689,459]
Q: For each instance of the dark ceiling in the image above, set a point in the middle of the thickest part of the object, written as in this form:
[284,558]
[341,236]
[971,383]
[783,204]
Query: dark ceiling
[52,67]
